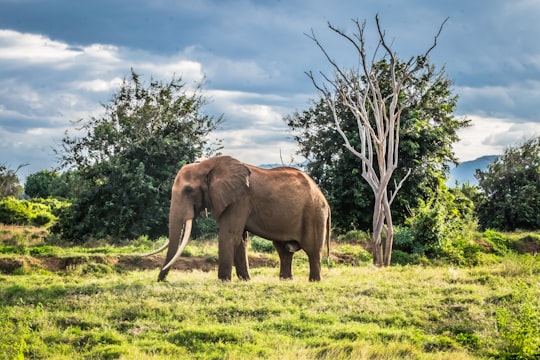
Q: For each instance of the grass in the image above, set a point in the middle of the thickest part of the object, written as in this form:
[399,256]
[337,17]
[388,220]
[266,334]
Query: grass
[95,311]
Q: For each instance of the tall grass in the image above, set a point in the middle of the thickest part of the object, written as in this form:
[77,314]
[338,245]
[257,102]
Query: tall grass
[93,309]
[360,312]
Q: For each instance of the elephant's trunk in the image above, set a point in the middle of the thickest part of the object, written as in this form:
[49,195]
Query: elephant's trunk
[185,238]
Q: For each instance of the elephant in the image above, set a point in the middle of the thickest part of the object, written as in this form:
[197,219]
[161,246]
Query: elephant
[282,204]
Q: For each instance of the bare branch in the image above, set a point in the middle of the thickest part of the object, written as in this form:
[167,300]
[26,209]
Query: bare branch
[330,60]
[382,40]
[398,186]
[359,49]
[436,38]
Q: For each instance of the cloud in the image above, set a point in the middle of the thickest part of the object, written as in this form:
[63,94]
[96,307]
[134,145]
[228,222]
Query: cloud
[165,67]
[69,82]
[517,100]
[491,136]
[259,146]
[46,84]
[98,85]
[33,48]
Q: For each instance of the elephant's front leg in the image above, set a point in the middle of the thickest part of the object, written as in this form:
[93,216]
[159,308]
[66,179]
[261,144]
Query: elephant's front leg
[226,251]
[241,262]
[285,259]
[232,249]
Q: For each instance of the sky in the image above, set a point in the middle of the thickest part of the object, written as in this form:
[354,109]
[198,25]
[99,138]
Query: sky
[60,60]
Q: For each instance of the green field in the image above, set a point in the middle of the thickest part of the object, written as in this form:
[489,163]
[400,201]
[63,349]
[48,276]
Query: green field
[99,308]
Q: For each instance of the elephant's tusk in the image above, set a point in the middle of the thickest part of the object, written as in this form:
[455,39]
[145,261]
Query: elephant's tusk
[187,233]
[163,247]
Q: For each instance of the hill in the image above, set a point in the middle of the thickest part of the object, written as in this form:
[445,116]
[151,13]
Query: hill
[462,173]
[465,171]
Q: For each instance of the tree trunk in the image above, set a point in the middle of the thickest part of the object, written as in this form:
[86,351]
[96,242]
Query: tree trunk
[378,224]
[389,234]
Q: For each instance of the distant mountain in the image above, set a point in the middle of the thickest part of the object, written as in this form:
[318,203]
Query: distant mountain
[301,166]
[462,173]
[465,171]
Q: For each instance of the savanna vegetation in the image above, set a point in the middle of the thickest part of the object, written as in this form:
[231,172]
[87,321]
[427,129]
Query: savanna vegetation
[102,302]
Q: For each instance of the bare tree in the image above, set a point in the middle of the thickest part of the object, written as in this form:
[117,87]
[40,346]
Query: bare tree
[377,112]
[9,182]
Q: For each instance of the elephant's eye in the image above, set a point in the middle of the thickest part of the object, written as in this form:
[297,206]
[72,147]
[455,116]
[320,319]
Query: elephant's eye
[188,189]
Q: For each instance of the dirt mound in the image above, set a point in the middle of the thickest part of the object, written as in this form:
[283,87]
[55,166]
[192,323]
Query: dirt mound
[11,265]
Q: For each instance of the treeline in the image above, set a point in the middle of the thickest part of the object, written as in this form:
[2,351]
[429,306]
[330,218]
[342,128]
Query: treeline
[115,177]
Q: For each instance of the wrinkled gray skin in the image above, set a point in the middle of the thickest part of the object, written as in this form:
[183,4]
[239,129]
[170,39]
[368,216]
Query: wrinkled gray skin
[283,205]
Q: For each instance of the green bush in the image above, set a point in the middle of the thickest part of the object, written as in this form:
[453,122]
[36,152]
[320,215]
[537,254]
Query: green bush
[55,206]
[261,245]
[38,212]
[402,258]
[404,241]
[354,236]
[359,254]
[497,241]
[442,227]
[529,243]
[205,228]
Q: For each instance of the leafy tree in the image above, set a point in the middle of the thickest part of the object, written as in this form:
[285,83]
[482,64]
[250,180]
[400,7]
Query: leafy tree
[510,189]
[40,183]
[428,130]
[68,185]
[126,159]
[9,182]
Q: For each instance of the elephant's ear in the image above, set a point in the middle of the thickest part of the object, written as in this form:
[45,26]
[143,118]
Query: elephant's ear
[228,181]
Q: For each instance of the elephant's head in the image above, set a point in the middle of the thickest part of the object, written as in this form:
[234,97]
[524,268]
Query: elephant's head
[211,184]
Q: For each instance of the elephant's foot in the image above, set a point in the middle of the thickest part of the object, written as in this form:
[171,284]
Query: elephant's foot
[224,274]
[243,272]
[162,275]
[285,277]
[314,277]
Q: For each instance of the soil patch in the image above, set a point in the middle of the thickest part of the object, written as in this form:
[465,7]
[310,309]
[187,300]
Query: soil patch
[13,264]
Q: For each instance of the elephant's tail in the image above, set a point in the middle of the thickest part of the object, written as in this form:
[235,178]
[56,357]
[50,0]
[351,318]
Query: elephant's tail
[328,233]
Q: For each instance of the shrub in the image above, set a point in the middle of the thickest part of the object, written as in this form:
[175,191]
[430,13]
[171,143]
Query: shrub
[404,241]
[357,254]
[55,206]
[205,228]
[28,212]
[402,258]
[354,236]
[497,241]
[261,245]
[529,243]
[442,227]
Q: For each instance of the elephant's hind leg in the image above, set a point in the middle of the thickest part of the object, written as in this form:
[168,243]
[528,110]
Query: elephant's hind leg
[285,259]
[314,265]
[313,251]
